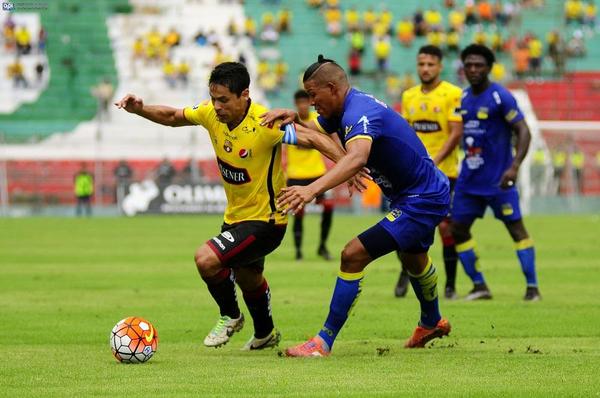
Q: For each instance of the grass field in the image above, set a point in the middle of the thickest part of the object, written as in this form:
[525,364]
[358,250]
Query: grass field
[64,283]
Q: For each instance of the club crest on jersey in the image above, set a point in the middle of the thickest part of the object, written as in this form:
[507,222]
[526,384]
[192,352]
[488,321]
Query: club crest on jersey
[482,113]
[244,153]
[228,146]
[437,109]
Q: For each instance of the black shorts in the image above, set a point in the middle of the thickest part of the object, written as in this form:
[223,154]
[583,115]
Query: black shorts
[245,244]
[307,181]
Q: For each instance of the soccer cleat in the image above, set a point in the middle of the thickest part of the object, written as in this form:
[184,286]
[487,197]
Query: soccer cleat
[479,292]
[314,347]
[225,327]
[532,294]
[323,252]
[422,336]
[450,293]
[299,255]
[402,286]
[272,340]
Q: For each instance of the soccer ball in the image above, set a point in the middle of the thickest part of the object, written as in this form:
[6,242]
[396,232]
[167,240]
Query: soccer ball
[133,340]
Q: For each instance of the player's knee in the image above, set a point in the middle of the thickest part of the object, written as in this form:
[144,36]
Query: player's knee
[459,233]
[206,261]
[353,259]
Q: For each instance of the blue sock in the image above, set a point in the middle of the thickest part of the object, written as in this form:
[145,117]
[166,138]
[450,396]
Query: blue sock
[470,260]
[425,287]
[346,292]
[526,254]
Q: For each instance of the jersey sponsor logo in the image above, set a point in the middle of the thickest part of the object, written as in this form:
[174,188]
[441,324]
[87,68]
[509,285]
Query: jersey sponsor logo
[473,157]
[426,126]
[228,146]
[244,153]
[227,235]
[218,242]
[482,113]
[437,109]
[247,129]
[233,175]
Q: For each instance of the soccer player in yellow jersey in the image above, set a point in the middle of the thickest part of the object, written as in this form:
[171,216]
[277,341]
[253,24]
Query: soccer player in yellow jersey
[249,159]
[304,166]
[433,110]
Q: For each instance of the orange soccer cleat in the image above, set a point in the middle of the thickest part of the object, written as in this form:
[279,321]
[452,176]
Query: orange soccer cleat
[422,336]
[314,347]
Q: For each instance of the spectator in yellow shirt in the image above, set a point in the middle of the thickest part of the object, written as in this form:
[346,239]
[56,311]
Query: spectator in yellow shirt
[433,19]
[453,40]
[436,38]
[589,16]
[23,39]
[369,19]
[574,11]
[352,19]
[170,73]
[535,55]
[456,19]
[405,31]
[382,49]
[173,38]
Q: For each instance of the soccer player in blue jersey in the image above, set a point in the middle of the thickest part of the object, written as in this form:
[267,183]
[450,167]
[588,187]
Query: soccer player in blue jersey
[374,136]
[489,170]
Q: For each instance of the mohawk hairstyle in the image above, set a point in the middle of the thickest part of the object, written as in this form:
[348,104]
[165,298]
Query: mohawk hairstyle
[313,68]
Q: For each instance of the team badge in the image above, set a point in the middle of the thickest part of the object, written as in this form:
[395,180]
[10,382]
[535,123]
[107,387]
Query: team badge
[437,109]
[228,146]
[244,153]
[507,209]
[482,113]
[394,214]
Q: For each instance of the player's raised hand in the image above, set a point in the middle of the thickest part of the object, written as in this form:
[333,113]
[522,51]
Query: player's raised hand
[285,115]
[293,198]
[131,104]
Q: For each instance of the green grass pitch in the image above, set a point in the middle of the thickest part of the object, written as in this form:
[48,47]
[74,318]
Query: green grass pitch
[64,283]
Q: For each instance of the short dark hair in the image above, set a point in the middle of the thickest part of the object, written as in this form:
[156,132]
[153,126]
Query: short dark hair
[313,68]
[232,75]
[478,49]
[300,94]
[431,50]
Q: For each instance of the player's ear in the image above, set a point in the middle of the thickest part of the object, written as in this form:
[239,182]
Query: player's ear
[245,94]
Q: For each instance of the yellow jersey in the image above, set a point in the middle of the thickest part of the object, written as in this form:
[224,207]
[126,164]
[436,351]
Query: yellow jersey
[429,114]
[304,163]
[249,160]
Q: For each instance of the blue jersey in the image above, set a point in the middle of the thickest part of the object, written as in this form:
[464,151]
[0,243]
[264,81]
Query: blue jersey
[398,161]
[487,139]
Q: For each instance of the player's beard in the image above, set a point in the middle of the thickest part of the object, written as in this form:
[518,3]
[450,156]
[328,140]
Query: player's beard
[428,81]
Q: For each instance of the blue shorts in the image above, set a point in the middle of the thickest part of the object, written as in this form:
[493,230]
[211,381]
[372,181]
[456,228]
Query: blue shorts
[467,207]
[409,227]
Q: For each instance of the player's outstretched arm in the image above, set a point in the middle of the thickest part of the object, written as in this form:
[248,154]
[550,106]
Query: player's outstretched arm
[286,116]
[323,143]
[352,162]
[521,130]
[160,114]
